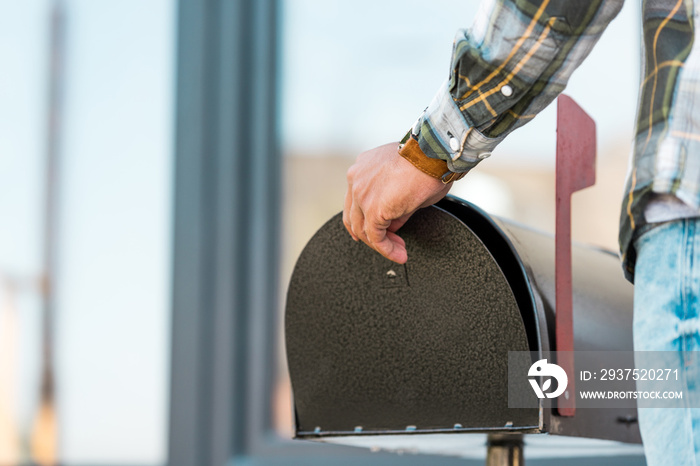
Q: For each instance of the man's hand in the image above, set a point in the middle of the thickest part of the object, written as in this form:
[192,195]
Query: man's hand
[384,190]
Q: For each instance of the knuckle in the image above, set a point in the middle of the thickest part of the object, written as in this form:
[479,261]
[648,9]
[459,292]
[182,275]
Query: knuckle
[384,214]
[380,214]
[350,174]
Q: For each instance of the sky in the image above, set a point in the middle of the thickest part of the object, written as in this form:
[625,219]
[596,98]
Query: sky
[114,221]
[357,75]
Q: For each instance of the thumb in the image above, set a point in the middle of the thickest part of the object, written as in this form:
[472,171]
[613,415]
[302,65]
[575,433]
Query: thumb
[386,242]
[396,224]
[393,247]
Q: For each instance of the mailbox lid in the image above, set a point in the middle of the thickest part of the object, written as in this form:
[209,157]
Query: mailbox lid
[374,347]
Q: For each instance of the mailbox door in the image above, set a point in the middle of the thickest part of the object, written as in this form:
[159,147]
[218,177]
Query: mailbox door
[377,347]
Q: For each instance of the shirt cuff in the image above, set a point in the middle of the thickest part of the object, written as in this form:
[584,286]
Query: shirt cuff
[437,168]
[444,132]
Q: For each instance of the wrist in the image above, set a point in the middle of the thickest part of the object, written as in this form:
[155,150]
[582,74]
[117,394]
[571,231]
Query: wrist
[410,150]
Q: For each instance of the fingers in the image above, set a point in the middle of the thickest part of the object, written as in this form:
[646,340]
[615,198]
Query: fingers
[346,213]
[396,224]
[378,234]
[375,229]
[357,221]
[393,247]
[386,243]
[384,189]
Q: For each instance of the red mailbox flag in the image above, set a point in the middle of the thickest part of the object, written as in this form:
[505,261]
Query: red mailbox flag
[576,153]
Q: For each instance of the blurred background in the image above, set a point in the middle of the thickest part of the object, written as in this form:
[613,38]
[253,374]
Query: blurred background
[163,163]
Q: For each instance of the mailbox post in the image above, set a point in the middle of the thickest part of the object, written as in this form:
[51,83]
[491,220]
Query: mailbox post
[505,450]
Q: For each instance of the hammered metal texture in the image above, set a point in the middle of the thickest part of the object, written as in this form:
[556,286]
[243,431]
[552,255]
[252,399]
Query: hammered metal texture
[380,346]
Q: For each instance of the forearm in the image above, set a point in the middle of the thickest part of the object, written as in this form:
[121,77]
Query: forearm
[517,57]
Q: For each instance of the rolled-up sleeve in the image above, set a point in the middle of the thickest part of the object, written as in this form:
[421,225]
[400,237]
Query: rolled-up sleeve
[514,60]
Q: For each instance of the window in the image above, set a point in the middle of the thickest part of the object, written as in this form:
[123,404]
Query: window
[274,101]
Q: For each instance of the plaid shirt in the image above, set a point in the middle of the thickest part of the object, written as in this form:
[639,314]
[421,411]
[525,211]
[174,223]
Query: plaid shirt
[519,55]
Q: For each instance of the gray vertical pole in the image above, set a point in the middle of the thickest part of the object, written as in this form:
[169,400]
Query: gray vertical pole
[44,436]
[505,450]
[226,227]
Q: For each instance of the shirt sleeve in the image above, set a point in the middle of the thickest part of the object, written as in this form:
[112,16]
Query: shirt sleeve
[516,58]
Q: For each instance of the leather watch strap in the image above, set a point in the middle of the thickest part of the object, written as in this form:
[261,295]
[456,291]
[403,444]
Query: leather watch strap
[436,168]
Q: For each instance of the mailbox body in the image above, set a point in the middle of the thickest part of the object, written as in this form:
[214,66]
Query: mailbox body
[377,349]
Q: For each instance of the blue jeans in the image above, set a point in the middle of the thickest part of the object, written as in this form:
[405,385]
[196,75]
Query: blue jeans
[666,302]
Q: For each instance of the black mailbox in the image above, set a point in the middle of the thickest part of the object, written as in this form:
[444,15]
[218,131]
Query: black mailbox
[377,348]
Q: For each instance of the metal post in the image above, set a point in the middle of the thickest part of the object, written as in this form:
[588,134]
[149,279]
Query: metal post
[505,450]
[44,437]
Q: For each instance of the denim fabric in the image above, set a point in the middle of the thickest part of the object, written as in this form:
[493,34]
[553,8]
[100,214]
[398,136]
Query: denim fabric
[666,300]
